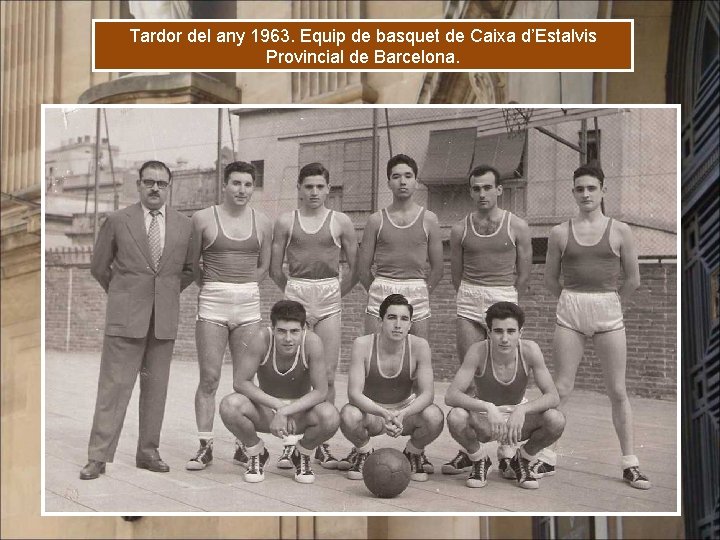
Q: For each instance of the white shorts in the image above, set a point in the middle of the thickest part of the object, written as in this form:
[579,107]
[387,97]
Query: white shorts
[474,300]
[229,304]
[590,313]
[319,297]
[415,290]
[505,410]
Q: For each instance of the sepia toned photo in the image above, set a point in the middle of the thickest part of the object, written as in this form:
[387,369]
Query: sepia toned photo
[360,310]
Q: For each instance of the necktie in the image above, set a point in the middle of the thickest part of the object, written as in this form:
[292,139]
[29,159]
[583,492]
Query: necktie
[154,238]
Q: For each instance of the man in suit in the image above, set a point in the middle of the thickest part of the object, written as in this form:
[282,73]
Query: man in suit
[142,259]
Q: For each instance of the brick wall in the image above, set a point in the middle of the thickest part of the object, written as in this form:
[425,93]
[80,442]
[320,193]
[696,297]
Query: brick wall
[650,319]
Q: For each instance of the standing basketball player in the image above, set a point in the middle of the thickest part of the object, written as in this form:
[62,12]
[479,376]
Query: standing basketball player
[401,240]
[490,258]
[311,239]
[590,251]
[234,243]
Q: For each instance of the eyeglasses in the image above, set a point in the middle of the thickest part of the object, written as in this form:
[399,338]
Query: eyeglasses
[161,184]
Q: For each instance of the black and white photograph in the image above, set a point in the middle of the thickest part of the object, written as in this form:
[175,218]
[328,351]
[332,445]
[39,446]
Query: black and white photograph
[345,309]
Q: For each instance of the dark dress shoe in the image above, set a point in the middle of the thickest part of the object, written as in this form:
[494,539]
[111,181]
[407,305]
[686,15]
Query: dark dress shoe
[92,470]
[154,465]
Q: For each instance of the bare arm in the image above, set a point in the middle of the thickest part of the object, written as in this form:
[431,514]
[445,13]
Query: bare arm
[456,254]
[424,376]
[265,236]
[552,261]
[366,253]
[629,261]
[548,400]
[249,363]
[196,250]
[348,241]
[435,251]
[188,271]
[356,380]
[280,239]
[455,395]
[318,378]
[104,254]
[523,262]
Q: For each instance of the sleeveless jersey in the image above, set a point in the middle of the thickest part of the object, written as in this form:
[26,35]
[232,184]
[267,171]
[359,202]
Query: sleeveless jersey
[231,260]
[392,388]
[590,268]
[313,255]
[488,388]
[292,384]
[401,251]
[489,259]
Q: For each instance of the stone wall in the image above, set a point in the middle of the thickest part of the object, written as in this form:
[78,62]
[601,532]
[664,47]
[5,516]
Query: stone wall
[75,313]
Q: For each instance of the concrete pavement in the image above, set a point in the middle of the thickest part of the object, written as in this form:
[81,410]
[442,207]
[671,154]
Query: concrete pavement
[588,476]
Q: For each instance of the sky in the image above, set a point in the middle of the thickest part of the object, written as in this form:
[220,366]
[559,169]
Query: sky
[141,134]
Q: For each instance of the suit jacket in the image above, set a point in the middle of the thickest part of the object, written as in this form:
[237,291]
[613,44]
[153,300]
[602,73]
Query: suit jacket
[122,264]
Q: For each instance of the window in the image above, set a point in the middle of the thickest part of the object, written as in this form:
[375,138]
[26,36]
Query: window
[350,164]
[593,145]
[259,172]
[569,527]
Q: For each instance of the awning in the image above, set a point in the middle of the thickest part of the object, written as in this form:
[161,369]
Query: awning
[449,156]
[452,154]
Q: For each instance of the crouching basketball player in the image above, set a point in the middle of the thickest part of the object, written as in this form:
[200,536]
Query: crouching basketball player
[383,368]
[290,396]
[500,367]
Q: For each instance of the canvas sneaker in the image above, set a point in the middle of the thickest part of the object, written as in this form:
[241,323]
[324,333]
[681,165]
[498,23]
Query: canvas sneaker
[303,472]
[240,457]
[428,467]
[521,466]
[478,473]
[506,470]
[457,465]
[417,472]
[256,467]
[346,463]
[202,458]
[635,478]
[324,457]
[539,469]
[356,470]
[285,461]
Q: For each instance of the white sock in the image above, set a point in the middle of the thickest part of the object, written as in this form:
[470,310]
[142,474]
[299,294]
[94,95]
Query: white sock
[304,451]
[411,448]
[526,455]
[548,456]
[256,449]
[205,436]
[290,440]
[480,454]
[365,448]
[630,461]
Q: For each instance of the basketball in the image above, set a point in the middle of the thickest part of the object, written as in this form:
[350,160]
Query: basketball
[386,473]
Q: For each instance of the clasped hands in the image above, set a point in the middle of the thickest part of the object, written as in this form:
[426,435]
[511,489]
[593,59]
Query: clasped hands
[282,425]
[506,431]
[393,423]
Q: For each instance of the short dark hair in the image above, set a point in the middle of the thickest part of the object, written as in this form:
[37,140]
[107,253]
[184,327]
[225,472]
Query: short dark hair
[313,169]
[505,310]
[154,164]
[397,159]
[288,310]
[484,169]
[395,300]
[590,169]
[238,166]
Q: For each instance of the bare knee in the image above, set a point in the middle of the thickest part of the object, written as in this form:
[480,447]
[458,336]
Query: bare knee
[232,406]
[618,395]
[457,419]
[433,418]
[209,384]
[350,416]
[328,416]
[554,421]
